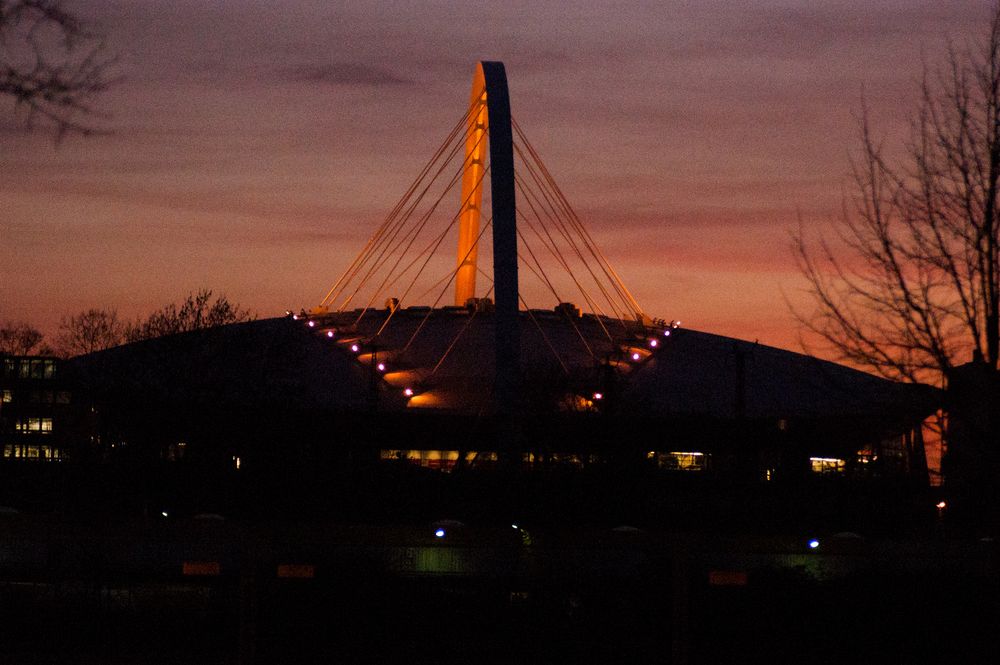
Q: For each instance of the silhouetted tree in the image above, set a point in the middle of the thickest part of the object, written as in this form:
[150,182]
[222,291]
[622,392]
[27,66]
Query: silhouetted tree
[913,289]
[51,65]
[89,331]
[196,312]
[20,339]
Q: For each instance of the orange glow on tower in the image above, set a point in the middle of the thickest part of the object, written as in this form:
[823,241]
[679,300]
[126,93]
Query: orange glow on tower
[472,189]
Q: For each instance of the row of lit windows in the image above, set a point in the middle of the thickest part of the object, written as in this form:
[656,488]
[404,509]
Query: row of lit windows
[29,368]
[671,461]
[447,459]
[679,461]
[37,396]
[824,465]
[577,461]
[33,426]
[444,460]
[41,453]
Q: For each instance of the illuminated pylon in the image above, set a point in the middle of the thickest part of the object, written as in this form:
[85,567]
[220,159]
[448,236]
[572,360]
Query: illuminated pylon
[492,122]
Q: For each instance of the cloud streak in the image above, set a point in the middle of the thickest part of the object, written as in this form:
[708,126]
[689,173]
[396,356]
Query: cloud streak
[342,73]
[700,128]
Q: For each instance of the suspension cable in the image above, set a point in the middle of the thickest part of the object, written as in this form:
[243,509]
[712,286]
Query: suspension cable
[553,248]
[561,226]
[413,237]
[454,341]
[454,219]
[543,277]
[595,250]
[390,249]
[380,234]
[441,294]
[545,337]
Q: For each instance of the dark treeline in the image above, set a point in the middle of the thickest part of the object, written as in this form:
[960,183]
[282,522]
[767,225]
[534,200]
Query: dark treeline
[96,329]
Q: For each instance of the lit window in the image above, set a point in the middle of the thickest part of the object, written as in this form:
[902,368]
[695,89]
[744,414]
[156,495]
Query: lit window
[7,396]
[34,426]
[826,465]
[442,460]
[680,461]
[565,460]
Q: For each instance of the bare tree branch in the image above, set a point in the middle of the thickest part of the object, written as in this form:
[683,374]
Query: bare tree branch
[198,311]
[911,289]
[52,66]
[20,339]
[89,331]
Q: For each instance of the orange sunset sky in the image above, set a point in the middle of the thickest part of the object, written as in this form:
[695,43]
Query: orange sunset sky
[255,145]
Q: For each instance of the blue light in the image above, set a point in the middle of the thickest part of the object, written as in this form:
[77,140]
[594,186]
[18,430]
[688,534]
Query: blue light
[813,544]
[439,533]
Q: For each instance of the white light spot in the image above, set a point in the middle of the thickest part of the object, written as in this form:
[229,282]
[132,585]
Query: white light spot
[381,367]
[653,343]
[164,513]
[408,392]
[598,395]
[329,333]
[355,348]
[439,533]
[666,333]
[312,324]
[813,544]
[635,356]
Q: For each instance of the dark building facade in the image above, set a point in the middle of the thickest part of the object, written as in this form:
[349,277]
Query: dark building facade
[34,410]
[322,415]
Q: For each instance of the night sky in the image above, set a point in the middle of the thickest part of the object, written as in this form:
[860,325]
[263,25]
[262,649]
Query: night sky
[257,144]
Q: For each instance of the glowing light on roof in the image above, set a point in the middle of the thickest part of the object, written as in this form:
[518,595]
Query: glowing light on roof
[381,367]
[312,324]
[653,343]
[408,392]
[355,348]
[295,317]
[813,544]
[635,356]
[329,333]
[666,333]
[439,533]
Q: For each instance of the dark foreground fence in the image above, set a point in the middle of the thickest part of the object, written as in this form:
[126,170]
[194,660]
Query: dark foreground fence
[210,591]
